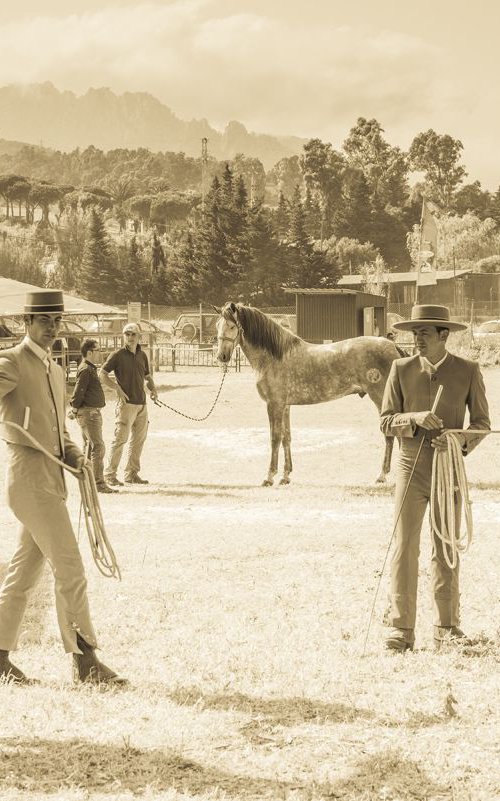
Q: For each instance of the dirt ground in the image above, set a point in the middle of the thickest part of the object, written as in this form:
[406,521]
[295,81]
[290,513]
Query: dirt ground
[241,618]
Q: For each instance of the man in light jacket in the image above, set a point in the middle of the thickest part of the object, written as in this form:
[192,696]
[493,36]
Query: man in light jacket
[32,395]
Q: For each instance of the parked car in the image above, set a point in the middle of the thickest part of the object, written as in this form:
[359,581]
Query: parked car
[489,327]
[114,325]
[187,327]
[66,348]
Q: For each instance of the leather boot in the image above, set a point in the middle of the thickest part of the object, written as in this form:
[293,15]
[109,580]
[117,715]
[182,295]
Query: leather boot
[88,669]
[10,672]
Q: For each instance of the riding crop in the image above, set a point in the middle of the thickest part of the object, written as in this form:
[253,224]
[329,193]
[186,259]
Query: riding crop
[102,552]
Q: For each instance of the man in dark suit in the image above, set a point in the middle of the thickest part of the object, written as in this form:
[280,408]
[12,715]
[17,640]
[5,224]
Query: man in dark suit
[406,413]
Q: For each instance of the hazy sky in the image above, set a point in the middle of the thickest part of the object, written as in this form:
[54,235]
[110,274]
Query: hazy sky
[279,66]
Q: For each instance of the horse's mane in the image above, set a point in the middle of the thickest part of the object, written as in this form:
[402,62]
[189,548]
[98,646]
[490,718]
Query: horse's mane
[261,331]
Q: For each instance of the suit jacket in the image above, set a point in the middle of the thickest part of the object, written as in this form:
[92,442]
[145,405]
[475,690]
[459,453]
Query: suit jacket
[412,387]
[25,385]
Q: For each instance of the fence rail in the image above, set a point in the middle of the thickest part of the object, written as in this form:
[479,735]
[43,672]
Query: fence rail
[184,354]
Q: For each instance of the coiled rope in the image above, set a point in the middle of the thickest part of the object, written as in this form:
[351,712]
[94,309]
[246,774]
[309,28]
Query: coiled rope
[100,546]
[449,486]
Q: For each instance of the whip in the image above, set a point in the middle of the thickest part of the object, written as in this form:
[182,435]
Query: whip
[102,552]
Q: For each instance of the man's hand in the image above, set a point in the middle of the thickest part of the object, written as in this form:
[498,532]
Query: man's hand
[121,394]
[72,413]
[427,420]
[154,395]
[440,444]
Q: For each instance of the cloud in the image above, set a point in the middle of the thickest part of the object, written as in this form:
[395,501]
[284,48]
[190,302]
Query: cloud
[275,76]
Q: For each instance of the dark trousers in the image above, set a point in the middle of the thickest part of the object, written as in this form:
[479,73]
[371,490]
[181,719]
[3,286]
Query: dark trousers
[404,565]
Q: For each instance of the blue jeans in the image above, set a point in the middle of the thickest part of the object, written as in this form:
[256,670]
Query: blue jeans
[90,421]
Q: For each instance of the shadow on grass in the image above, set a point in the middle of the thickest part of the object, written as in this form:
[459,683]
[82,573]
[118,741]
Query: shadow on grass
[175,491]
[277,711]
[47,766]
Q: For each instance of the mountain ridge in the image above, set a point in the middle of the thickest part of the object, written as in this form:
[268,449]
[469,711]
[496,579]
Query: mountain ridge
[59,119]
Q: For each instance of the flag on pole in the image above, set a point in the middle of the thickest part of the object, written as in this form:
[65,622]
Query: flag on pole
[426,274]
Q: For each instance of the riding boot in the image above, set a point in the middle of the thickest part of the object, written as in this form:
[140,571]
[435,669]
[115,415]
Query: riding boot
[87,667]
[10,672]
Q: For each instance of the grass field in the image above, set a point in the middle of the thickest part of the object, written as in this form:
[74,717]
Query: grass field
[240,621]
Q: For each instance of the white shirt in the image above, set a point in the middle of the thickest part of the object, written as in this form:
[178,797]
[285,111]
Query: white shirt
[434,367]
[42,354]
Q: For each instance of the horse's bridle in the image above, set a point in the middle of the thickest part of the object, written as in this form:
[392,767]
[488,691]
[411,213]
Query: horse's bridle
[239,328]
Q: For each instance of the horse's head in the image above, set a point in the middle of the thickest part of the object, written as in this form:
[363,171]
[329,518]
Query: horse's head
[229,331]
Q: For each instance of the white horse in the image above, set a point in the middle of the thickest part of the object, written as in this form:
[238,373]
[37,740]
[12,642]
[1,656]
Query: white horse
[291,371]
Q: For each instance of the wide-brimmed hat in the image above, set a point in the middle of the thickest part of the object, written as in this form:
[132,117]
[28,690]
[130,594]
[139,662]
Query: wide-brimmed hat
[45,301]
[438,316]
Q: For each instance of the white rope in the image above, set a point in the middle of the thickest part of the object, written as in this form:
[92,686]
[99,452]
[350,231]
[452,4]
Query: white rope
[449,486]
[100,546]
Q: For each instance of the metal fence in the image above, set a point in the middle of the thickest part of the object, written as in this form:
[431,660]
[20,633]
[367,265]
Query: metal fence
[183,354]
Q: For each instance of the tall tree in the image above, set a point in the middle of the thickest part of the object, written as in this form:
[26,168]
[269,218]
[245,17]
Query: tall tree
[98,276]
[323,168]
[384,167]
[438,156]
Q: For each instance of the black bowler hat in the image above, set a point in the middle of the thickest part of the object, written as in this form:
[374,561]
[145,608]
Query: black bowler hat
[45,301]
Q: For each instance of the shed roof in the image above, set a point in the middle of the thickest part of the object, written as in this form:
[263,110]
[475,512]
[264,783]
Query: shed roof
[12,296]
[298,291]
[394,278]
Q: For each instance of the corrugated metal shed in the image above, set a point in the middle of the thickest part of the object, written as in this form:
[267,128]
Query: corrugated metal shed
[335,314]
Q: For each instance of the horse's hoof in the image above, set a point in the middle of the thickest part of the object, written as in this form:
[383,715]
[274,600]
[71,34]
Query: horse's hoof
[268,482]
[285,480]
[382,479]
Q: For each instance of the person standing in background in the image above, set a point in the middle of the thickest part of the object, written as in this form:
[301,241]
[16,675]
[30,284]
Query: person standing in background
[86,404]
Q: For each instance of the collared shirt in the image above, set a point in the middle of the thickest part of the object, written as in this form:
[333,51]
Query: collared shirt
[42,354]
[88,392]
[131,370]
[433,367]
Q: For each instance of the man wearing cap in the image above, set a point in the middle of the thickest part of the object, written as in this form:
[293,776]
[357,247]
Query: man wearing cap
[131,371]
[32,398]
[406,413]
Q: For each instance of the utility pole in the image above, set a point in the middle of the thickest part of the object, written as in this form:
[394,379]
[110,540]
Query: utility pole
[204,160]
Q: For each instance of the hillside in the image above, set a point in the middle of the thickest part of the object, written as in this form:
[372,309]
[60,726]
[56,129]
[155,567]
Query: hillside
[41,114]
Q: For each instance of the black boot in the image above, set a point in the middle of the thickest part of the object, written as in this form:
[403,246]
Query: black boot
[87,668]
[10,672]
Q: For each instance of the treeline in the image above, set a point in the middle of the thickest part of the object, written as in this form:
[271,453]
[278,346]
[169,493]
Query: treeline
[168,228]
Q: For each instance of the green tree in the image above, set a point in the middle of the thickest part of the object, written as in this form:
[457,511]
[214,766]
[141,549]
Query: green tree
[323,168]
[98,277]
[438,156]
[384,167]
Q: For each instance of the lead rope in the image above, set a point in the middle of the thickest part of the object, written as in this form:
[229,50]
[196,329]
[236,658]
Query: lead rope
[158,402]
[100,546]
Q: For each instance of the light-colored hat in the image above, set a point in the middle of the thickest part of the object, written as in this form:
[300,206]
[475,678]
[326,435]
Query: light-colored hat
[438,316]
[45,301]
[133,327]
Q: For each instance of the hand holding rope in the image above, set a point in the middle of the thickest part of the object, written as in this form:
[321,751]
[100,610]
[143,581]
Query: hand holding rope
[102,552]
